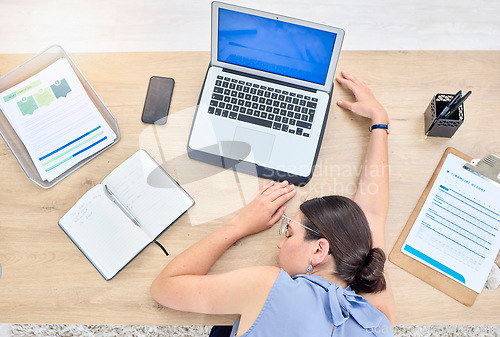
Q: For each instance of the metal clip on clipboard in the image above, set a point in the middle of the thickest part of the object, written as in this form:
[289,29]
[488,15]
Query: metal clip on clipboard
[488,167]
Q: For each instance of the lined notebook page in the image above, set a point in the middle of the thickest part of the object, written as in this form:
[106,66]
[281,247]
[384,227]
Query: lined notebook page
[149,193]
[103,232]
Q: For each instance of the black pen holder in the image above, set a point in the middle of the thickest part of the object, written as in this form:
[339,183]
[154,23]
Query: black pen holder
[442,127]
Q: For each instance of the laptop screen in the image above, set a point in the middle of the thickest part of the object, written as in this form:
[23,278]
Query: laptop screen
[274,46]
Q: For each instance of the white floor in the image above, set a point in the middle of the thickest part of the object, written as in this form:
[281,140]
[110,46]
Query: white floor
[29,26]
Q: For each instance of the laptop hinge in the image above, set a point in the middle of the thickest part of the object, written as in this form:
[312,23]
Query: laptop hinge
[262,78]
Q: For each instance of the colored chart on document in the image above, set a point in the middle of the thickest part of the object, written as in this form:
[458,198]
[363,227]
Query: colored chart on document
[55,119]
[43,97]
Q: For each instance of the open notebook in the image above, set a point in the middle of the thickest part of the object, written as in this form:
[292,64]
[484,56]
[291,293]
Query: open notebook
[111,233]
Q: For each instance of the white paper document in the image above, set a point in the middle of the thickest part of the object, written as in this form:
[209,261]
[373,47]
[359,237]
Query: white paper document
[55,119]
[457,229]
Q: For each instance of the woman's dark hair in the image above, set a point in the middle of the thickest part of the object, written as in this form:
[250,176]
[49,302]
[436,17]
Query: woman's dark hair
[342,222]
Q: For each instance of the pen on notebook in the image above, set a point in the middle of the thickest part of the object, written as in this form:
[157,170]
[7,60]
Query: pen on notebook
[457,105]
[122,207]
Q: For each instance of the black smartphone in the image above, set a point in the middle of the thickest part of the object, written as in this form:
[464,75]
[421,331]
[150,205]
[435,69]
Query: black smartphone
[158,100]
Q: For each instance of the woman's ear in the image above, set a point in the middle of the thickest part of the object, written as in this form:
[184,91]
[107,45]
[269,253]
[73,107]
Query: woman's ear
[322,247]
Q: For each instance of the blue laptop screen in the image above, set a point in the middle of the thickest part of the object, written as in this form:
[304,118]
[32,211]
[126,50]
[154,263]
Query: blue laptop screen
[274,46]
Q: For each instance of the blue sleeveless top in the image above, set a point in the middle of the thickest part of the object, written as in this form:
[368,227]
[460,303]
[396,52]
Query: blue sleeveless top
[309,305]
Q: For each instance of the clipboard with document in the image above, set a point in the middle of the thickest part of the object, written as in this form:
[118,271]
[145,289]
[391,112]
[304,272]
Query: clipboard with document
[453,235]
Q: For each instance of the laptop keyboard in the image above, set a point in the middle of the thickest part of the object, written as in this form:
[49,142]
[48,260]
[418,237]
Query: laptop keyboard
[263,105]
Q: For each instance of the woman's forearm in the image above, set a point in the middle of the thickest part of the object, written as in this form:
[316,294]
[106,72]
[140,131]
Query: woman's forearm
[260,214]
[373,190]
[199,258]
[372,194]
[196,260]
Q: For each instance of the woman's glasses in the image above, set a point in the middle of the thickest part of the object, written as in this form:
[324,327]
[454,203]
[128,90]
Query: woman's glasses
[285,221]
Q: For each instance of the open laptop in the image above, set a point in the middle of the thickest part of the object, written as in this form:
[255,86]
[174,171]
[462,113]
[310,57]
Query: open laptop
[265,100]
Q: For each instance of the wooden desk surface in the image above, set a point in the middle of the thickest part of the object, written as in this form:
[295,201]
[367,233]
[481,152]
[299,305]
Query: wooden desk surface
[46,279]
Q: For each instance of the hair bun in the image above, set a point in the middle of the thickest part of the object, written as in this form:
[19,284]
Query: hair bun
[370,277]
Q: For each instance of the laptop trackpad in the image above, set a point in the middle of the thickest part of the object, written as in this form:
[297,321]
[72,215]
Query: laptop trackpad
[251,145]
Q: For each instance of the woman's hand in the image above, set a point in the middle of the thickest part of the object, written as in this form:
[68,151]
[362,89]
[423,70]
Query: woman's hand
[265,209]
[366,104]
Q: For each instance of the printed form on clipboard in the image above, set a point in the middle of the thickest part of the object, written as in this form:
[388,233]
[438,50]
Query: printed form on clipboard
[457,229]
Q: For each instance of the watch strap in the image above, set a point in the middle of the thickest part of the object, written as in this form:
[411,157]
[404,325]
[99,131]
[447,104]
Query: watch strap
[379,126]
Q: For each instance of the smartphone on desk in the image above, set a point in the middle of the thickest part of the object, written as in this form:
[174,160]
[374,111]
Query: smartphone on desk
[158,99]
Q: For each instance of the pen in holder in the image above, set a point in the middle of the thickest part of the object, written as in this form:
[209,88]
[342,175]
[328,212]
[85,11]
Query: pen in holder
[443,127]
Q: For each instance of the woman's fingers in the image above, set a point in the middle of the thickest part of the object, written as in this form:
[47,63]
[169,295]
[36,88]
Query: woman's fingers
[282,195]
[271,188]
[352,78]
[276,216]
[366,104]
[266,187]
[352,83]
[275,195]
[283,198]
[345,104]
[347,83]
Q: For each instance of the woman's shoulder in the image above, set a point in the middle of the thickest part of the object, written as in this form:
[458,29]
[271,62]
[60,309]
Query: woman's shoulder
[384,302]
[258,279]
[263,273]
[259,282]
